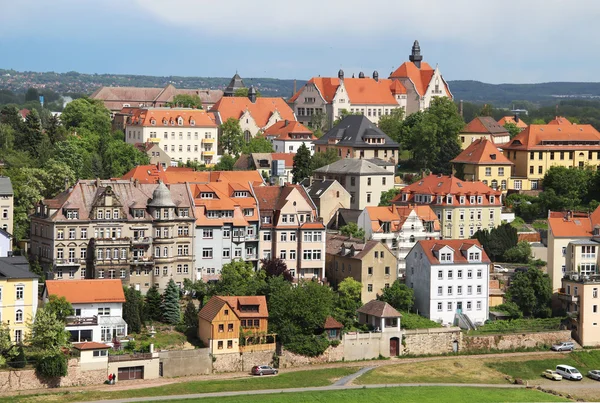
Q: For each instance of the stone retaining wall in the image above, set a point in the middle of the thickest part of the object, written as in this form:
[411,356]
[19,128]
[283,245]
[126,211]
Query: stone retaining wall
[432,341]
[186,362]
[241,362]
[332,354]
[514,340]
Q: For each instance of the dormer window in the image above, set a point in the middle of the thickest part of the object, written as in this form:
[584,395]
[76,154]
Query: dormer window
[72,214]
[266,220]
[207,195]
[172,122]
[449,199]
[479,199]
[462,199]
[192,122]
[100,214]
[446,257]
[240,194]
[404,197]
[138,213]
[492,199]
[165,122]
[183,212]
[180,121]
[153,122]
[472,199]
[248,212]
[474,256]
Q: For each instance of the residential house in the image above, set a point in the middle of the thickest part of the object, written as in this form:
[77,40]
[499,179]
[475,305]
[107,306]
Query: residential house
[227,226]
[223,320]
[462,207]
[579,297]
[357,137]
[116,229]
[482,161]
[399,228]
[7,207]
[450,279]
[146,174]
[483,127]
[385,320]
[371,263]
[288,137]
[98,306]
[540,147]
[329,196]
[92,355]
[290,231]
[560,120]
[342,217]
[117,98]
[157,155]
[255,114]
[186,134]
[18,296]
[275,166]
[364,179]
[515,120]
[333,329]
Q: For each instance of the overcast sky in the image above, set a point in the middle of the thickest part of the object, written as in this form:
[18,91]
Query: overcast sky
[495,41]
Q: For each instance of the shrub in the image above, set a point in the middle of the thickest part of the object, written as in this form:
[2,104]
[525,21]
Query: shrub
[334,343]
[415,321]
[310,346]
[53,366]
[20,360]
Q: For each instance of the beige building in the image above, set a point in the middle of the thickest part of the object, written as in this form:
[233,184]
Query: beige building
[579,296]
[139,233]
[483,127]
[329,196]
[462,207]
[157,155]
[371,263]
[185,134]
[364,179]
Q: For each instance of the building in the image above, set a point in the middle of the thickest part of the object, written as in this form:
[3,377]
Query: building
[227,226]
[288,137]
[399,228]
[540,147]
[462,207]
[371,263]
[157,155]
[116,229]
[483,127]
[147,174]
[98,306]
[560,120]
[496,294]
[482,161]
[186,134]
[364,179]
[450,279]
[411,87]
[223,320]
[117,98]
[579,297]
[329,196]
[333,329]
[342,217]
[357,137]
[235,84]
[289,230]
[7,205]
[264,163]
[18,296]
[255,114]
[385,321]
[515,120]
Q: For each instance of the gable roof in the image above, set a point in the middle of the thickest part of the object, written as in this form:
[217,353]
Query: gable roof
[6,186]
[331,323]
[560,120]
[236,304]
[285,130]
[379,309]
[253,161]
[421,77]
[352,131]
[15,268]
[457,245]
[360,91]
[539,137]
[274,197]
[511,119]
[573,225]
[224,198]
[334,245]
[261,110]
[87,291]
[349,166]
[151,174]
[482,152]
[485,125]
[147,117]
[397,216]
[318,187]
[90,345]
[212,308]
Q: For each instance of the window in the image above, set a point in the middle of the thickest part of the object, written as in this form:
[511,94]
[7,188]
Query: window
[459,289]
[207,233]
[459,273]
[368,197]
[220,345]
[478,289]
[479,305]
[230,343]
[440,274]
[449,306]
[439,306]
[19,316]
[207,253]
[18,336]
[479,271]
[501,171]
[352,181]
[226,253]
[368,181]
[449,290]
[221,328]
[370,271]
[283,237]
[450,273]
[440,290]
[104,311]
[488,171]
[266,236]
[282,254]
[469,290]
[19,292]
[469,274]
[370,287]
[100,353]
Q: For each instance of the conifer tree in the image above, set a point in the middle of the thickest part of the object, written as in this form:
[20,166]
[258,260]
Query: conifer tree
[301,167]
[190,316]
[153,304]
[170,304]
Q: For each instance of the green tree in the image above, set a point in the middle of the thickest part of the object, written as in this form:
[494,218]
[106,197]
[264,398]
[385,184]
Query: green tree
[55,130]
[342,114]
[32,94]
[349,291]
[257,144]
[46,333]
[399,295]
[89,114]
[320,159]
[190,316]
[240,278]
[153,304]
[31,137]
[8,350]
[59,306]
[486,110]
[392,124]
[318,120]
[133,309]
[509,308]
[170,304]
[198,289]
[232,137]
[276,267]
[243,92]
[532,292]
[498,240]
[302,166]
[387,196]
[120,157]
[353,230]
[226,163]
[521,253]
[512,128]
[186,101]
[571,186]
[7,137]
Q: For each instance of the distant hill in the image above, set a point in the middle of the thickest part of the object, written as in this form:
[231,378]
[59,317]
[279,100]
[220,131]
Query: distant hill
[470,91]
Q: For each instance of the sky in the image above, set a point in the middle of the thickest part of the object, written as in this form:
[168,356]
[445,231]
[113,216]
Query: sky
[494,41]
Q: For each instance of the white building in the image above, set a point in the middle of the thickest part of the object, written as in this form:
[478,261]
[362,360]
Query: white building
[98,306]
[185,134]
[450,279]
[288,136]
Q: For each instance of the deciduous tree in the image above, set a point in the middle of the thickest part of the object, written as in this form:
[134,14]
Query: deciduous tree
[387,196]
[399,295]
[46,333]
[257,144]
[240,278]
[353,230]
[232,136]
[186,101]
[276,267]
[532,292]
[59,306]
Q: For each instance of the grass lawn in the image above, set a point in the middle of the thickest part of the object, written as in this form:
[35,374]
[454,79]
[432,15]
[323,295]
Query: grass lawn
[582,360]
[321,377]
[166,337]
[540,224]
[430,394]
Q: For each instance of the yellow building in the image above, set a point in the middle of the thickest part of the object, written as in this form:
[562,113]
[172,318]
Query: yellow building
[539,147]
[483,127]
[18,295]
[482,161]
[462,207]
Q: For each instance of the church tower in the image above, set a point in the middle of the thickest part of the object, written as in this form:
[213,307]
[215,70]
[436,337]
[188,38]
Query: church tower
[415,56]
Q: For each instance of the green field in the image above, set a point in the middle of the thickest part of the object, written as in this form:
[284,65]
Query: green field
[320,377]
[429,394]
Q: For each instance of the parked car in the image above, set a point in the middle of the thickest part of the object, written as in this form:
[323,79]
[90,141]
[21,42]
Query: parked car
[499,269]
[594,374]
[550,374]
[564,346]
[569,372]
[263,370]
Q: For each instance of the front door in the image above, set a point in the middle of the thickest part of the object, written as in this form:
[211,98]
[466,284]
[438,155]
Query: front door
[394,344]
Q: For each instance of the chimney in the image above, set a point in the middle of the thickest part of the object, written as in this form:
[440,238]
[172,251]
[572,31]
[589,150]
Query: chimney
[252,94]
[516,117]
[461,108]
[294,86]
[66,183]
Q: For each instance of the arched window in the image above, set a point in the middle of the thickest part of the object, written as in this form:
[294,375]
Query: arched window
[494,184]
[247,135]
[19,316]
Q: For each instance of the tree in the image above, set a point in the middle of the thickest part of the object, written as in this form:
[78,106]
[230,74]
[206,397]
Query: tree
[349,291]
[512,129]
[521,253]
[60,307]
[47,333]
[302,159]
[31,136]
[392,124]
[243,92]
[257,144]
[318,120]
[232,137]
[226,163]
[486,110]
[120,157]
[387,196]
[54,130]
[240,278]
[342,114]
[133,309]
[198,289]
[532,292]
[32,94]
[320,159]
[153,304]
[186,101]
[497,241]
[170,304]
[399,295]
[190,316]
[571,186]
[89,114]
[7,348]
[352,230]
[276,267]
[509,308]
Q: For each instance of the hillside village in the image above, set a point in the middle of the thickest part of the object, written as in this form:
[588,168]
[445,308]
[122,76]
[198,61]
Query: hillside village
[152,233]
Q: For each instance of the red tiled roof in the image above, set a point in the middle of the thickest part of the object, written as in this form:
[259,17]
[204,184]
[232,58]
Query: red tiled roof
[577,225]
[511,119]
[211,308]
[237,302]
[90,345]
[485,125]
[379,309]
[87,291]
[560,120]
[261,110]
[458,245]
[154,173]
[397,216]
[482,152]
[285,130]
[421,77]
[161,117]
[274,197]
[331,323]
[361,91]
[532,137]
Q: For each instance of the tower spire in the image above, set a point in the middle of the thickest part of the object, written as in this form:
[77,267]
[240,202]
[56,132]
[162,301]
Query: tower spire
[415,55]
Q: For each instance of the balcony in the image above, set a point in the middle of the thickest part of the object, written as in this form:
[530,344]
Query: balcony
[140,261]
[567,297]
[81,321]
[67,262]
[208,152]
[111,241]
[146,240]
[208,141]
